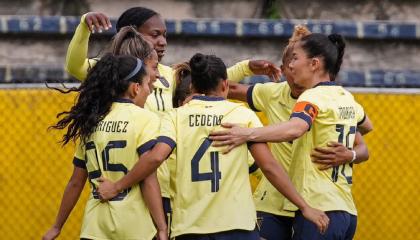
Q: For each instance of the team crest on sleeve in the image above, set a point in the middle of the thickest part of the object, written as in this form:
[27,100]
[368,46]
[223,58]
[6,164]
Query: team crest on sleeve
[164,81]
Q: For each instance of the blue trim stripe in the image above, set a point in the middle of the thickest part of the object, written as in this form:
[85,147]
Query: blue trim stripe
[304,117]
[123,100]
[331,83]
[167,140]
[208,98]
[361,121]
[254,167]
[79,163]
[146,146]
[249,98]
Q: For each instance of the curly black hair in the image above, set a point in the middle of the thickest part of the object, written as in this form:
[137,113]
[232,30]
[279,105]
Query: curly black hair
[105,83]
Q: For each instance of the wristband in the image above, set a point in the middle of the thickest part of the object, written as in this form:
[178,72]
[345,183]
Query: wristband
[354,156]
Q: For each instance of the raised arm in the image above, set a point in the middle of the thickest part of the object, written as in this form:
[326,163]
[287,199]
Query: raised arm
[77,63]
[248,68]
[70,197]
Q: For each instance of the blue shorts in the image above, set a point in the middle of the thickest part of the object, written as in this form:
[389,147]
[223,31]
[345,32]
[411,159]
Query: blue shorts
[275,227]
[227,235]
[342,227]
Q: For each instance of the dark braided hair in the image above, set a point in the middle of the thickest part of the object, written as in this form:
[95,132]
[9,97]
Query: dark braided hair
[206,72]
[135,16]
[104,84]
[330,48]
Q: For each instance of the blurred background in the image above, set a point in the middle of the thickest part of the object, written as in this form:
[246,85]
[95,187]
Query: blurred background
[381,67]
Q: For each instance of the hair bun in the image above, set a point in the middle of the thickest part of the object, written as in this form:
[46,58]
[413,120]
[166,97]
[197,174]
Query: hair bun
[199,64]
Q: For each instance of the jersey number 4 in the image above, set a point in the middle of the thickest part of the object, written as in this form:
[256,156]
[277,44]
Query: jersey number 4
[107,166]
[215,175]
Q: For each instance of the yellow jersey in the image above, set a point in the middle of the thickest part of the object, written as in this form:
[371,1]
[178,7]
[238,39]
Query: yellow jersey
[159,101]
[111,151]
[332,115]
[276,102]
[212,191]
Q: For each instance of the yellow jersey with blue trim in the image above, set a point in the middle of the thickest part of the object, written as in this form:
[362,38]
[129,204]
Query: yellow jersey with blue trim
[276,102]
[212,191]
[112,150]
[332,114]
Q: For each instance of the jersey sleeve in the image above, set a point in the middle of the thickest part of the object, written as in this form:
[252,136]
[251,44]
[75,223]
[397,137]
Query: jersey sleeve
[254,120]
[79,156]
[360,114]
[306,108]
[77,63]
[167,132]
[258,96]
[150,130]
[239,71]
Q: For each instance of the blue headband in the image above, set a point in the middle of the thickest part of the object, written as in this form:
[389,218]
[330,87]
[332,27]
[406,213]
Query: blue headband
[135,71]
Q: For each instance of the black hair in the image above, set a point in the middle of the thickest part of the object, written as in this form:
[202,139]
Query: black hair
[206,72]
[183,83]
[135,16]
[105,83]
[330,48]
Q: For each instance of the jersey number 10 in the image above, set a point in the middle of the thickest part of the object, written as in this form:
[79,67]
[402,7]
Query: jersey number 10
[336,170]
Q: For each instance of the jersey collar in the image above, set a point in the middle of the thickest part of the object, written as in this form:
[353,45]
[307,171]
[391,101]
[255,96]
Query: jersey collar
[208,98]
[330,83]
[123,100]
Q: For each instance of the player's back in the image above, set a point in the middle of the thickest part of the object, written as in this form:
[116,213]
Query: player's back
[212,190]
[336,117]
[111,151]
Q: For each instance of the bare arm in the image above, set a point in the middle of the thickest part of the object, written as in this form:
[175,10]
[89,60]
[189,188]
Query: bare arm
[146,165]
[280,132]
[365,127]
[253,67]
[238,91]
[280,180]
[152,196]
[70,197]
[336,154]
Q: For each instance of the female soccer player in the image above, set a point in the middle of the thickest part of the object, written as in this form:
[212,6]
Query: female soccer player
[323,113]
[212,191]
[152,27]
[276,101]
[112,130]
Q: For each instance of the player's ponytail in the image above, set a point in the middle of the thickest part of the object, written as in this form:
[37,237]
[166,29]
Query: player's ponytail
[330,49]
[340,44]
[182,77]
[130,42]
[206,72]
[107,81]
